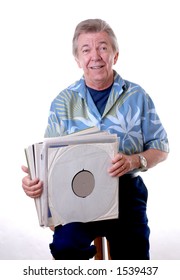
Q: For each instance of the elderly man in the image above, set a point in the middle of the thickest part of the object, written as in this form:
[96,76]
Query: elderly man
[104,99]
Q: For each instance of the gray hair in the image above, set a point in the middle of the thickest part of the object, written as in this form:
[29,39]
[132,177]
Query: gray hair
[93,26]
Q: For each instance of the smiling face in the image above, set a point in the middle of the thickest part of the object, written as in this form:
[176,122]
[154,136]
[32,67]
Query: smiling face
[96,57]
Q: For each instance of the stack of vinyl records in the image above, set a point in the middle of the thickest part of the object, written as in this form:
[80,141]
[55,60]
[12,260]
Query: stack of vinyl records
[76,183]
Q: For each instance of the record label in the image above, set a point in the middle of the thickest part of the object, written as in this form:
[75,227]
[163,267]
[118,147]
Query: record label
[83,183]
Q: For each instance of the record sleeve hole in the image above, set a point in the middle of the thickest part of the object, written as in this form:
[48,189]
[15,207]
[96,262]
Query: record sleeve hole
[83,183]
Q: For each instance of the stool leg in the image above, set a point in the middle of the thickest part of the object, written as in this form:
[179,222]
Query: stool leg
[108,250]
[99,248]
[102,244]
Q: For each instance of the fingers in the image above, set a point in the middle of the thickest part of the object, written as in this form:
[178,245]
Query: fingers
[121,165]
[32,188]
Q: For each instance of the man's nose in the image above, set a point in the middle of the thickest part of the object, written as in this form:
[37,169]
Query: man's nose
[95,55]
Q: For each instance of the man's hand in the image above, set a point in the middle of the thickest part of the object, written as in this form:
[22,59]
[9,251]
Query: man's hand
[32,188]
[122,164]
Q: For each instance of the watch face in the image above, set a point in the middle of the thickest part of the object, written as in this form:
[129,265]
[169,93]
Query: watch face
[144,162]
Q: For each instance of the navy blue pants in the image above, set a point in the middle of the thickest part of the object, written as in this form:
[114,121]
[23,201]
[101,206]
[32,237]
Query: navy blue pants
[128,235]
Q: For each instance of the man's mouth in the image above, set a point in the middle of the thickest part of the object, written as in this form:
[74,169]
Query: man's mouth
[97,67]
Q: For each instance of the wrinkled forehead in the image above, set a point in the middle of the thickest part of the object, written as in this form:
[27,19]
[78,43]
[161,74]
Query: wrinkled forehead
[94,38]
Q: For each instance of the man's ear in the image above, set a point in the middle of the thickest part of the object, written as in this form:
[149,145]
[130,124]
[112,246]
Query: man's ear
[116,57]
[78,63]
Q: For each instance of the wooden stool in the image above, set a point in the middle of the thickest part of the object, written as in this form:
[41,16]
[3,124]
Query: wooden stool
[102,247]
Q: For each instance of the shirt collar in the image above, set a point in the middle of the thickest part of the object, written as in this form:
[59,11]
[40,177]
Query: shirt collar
[80,86]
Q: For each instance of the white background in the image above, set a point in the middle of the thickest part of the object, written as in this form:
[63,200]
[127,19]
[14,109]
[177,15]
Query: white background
[36,63]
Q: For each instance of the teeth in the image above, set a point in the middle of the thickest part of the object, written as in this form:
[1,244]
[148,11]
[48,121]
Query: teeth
[96,67]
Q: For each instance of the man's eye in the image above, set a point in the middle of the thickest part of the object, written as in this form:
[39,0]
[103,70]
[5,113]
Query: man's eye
[103,48]
[85,51]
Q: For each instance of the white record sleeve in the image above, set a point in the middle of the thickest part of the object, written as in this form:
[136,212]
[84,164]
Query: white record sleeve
[79,186]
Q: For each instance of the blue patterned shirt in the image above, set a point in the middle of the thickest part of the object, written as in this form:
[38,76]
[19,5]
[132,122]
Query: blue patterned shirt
[129,112]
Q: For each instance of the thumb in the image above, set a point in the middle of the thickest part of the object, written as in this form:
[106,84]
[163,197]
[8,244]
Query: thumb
[25,169]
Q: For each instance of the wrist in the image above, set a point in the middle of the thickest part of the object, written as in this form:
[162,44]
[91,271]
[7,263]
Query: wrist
[135,163]
[143,165]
